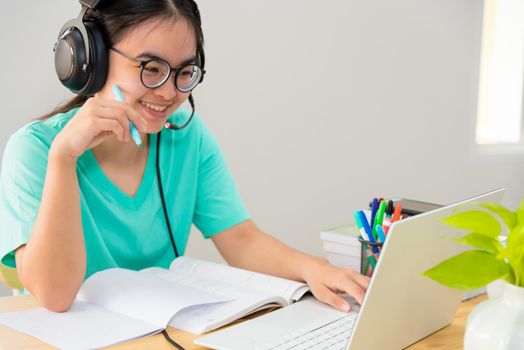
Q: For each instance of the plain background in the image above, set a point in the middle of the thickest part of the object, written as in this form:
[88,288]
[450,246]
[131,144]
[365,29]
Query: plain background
[318,106]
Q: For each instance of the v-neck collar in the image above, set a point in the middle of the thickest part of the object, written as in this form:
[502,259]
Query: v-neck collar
[99,178]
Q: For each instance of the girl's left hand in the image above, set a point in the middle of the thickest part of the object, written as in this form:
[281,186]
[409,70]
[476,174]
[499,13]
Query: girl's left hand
[326,280]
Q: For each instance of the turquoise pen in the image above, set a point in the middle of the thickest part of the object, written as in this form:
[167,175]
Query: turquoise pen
[132,128]
[381,235]
[363,233]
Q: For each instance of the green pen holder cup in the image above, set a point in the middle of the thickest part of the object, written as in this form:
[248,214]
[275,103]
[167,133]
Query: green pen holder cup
[369,255]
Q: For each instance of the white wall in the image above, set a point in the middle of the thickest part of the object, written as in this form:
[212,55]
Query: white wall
[339,101]
[318,106]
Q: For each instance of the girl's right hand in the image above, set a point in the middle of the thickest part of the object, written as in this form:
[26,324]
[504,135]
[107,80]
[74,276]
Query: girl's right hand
[96,121]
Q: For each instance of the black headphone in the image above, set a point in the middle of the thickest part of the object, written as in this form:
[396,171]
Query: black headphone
[81,53]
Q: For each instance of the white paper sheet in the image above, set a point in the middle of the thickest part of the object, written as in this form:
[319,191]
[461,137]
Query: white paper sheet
[142,296]
[83,326]
[183,267]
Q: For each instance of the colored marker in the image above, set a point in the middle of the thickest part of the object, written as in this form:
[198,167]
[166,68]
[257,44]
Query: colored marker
[396,213]
[132,128]
[390,208]
[363,233]
[367,228]
[380,216]
[389,215]
[374,208]
[381,234]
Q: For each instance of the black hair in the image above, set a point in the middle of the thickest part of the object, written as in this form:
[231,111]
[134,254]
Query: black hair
[117,18]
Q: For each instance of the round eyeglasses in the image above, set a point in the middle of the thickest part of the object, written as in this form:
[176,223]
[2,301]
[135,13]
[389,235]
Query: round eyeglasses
[155,72]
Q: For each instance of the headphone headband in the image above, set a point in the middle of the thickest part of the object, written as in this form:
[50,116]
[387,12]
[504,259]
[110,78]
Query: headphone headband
[91,4]
[77,23]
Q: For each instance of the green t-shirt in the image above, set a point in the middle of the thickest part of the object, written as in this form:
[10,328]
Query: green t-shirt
[120,230]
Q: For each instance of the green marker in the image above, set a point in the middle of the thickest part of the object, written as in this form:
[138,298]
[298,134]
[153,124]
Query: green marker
[132,128]
[379,219]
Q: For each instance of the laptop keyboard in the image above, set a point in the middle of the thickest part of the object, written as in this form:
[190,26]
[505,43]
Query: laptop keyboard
[332,336]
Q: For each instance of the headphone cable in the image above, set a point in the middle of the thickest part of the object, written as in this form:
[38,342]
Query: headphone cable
[161,190]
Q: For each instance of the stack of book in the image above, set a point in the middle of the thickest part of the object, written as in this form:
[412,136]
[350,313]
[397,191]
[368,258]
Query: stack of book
[341,246]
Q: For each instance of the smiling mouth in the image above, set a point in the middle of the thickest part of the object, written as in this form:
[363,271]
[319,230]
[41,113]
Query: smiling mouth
[156,108]
[156,111]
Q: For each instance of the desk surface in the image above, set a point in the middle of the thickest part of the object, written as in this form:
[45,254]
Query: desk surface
[449,338]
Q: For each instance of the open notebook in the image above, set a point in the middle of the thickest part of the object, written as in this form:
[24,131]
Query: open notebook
[247,291]
[117,305]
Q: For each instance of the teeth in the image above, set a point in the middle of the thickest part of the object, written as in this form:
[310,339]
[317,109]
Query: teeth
[155,107]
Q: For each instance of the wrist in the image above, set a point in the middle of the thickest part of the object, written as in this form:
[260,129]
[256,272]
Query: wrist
[57,155]
[311,266]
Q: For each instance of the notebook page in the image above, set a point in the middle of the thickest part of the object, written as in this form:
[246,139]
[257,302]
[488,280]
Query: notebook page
[287,289]
[202,318]
[141,296]
[83,326]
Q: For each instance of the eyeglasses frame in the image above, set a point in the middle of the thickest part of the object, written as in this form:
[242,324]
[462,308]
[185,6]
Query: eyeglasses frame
[176,71]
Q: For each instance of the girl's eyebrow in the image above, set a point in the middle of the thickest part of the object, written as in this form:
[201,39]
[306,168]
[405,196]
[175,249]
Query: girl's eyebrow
[150,55]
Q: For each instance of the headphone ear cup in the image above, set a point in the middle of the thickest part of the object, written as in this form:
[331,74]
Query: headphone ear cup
[99,59]
[71,60]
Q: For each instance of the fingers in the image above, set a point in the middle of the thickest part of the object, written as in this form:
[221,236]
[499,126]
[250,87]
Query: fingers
[336,280]
[123,114]
[114,126]
[350,287]
[329,297]
[361,280]
[100,138]
[118,115]
[353,283]
[130,114]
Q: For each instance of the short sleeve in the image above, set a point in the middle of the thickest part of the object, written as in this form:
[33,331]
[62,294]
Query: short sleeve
[218,203]
[24,165]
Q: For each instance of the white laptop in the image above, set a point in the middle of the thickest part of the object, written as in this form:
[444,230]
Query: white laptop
[400,307]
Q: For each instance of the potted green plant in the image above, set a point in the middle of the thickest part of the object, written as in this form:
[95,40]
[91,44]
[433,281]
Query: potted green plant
[497,323]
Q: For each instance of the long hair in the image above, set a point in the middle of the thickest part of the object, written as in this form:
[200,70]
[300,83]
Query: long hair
[116,18]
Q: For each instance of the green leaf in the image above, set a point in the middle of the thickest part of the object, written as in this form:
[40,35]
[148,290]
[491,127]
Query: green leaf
[520,213]
[515,242]
[469,270]
[477,240]
[509,217]
[475,220]
[515,252]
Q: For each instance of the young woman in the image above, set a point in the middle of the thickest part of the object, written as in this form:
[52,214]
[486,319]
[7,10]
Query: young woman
[78,196]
